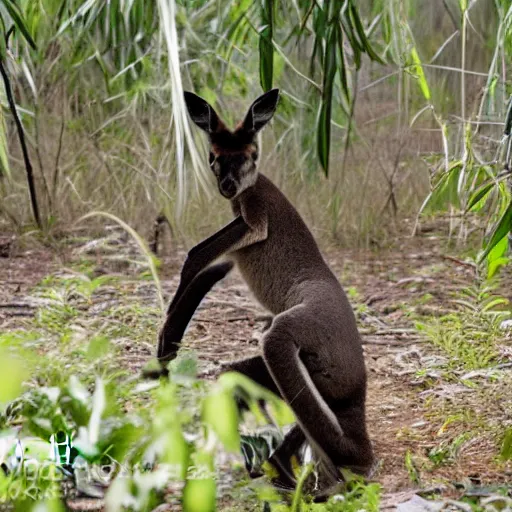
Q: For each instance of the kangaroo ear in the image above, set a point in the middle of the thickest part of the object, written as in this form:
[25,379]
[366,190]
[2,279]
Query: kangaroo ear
[261,111]
[201,112]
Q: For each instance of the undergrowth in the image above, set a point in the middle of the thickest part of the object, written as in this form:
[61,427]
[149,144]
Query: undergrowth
[76,408]
[465,387]
[473,337]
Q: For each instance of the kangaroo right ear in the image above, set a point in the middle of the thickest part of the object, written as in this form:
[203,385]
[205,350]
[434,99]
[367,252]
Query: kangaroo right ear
[261,111]
[201,112]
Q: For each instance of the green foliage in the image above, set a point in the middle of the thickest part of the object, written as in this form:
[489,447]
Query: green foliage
[476,180]
[506,449]
[501,229]
[410,465]
[447,452]
[333,19]
[14,371]
[355,497]
[470,338]
[16,17]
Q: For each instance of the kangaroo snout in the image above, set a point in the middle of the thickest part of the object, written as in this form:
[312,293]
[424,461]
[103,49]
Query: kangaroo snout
[227,187]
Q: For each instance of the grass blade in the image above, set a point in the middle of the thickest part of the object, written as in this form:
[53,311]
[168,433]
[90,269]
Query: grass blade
[142,245]
[4,149]
[182,132]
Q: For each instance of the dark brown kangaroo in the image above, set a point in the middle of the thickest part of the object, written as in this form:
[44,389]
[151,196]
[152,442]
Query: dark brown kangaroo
[312,354]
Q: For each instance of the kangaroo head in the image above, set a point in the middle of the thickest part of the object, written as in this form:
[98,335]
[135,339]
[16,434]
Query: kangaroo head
[233,154]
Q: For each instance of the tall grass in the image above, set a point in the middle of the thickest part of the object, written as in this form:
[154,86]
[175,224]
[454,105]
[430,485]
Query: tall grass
[108,130]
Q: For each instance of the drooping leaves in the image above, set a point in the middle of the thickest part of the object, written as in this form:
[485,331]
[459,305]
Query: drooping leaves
[324,118]
[17,18]
[333,20]
[265,45]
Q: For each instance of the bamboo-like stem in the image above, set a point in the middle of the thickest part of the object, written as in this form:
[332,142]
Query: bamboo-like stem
[24,150]
[463,68]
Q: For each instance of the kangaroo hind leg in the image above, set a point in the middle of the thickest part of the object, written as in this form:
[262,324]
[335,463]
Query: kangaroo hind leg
[256,369]
[281,351]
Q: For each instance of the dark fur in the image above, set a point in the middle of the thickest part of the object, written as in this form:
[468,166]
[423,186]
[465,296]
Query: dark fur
[312,354]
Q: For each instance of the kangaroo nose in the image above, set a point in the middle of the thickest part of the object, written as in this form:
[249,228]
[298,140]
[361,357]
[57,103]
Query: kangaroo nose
[227,187]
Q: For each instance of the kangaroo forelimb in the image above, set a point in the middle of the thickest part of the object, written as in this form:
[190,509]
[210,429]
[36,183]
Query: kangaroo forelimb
[181,311]
[206,252]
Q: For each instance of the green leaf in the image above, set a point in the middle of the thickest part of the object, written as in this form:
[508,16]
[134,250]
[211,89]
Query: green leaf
[17,17]
[266,47]
[364,42]
[341,65]
[4,149]
[98,406]
[417,71]
[199,495]
[241,385]
[506,448]
[496,264]
[497,257]
[14,372]
[117,440]
[479,194]
[508,119]
[349,32]
[324,118]
[445,190]
[221,413]
[75,401]
[502,229]
[99,346]
[176,452]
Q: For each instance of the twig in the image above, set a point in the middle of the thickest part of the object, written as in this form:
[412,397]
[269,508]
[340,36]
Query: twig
[21,136]
[57,158]
[459,262]
[394,343]
[238,318]
[19,313]
[17,305]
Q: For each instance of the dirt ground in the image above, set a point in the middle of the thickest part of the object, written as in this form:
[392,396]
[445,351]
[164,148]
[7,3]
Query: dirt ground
[413,409]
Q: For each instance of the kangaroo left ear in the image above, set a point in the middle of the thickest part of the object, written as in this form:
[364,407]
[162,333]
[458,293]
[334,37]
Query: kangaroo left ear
[261,111]
[202,113]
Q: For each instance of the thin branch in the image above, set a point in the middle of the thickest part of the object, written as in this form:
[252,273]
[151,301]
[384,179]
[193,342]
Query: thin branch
[55,179]
[21,136]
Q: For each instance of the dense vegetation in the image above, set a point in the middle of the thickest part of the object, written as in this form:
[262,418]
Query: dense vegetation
[390,109]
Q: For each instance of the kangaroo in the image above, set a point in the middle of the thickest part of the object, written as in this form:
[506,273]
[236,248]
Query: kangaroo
[311,353]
